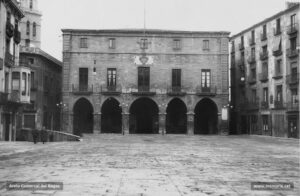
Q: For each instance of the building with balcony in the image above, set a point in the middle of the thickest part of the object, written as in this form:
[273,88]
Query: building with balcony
[135,81]
[14,77]
[45,92]
[272,54]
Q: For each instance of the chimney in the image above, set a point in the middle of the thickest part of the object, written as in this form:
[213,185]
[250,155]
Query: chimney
[290,4]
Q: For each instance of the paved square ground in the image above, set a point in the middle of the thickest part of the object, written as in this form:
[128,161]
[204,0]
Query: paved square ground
[156,165]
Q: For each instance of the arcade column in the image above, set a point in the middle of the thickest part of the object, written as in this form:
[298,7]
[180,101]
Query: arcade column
[162,123]
[97,123]
[125,123]
[190,123]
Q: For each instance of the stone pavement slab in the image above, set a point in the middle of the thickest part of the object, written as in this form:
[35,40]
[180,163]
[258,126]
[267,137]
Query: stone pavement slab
[146,165]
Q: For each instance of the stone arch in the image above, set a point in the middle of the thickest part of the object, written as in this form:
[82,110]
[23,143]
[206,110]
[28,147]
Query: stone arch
[206,117]
[83,119]
[176,118]
[143,116]
[111,116]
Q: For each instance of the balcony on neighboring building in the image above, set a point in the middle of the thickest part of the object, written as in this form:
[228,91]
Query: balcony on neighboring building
[252,105]
[143,90]
[241,46]
[292,79]
[3,98]
[263,55]
[206,91]
[277,75]
[276,31]
[9,29]
[9,60]
[251,59]
[263,77]
[176,91]
[263,37]
[251,79]
[251,41]
[277,51]
[17,36]
[82,89]
[111,90]
[264,105]
[278,105]
[292,29]
[293,106]
[291,53]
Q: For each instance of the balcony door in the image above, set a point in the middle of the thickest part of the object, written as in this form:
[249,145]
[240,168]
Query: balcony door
[111,79]
[205,80]
[83,79]
[143,78]
[176,79]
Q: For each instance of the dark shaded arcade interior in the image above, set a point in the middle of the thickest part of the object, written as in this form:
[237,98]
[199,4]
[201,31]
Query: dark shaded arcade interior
[83,119]
[111,116]
[143,117]
[206,117]
[176,119]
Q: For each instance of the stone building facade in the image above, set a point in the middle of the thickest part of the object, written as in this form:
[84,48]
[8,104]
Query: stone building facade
[265,76]
[144,81]
[14,77]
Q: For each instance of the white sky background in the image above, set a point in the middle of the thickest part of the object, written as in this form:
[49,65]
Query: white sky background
[201,15]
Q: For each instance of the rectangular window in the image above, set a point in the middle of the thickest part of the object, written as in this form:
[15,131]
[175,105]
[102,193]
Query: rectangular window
[265,68]
[253,94]
[112,43]
[111,78]
[177,44]
[83,43]
[278,28]
[279,93]
[252,36]
[205,80]
[293,43]
[205,44]
[143,78]
[242,40]
[83,79]
[265,49]
[293,20]
[144,44]
[278,67]
[6,82]
[266,95]
[264,31]
[16,81]
[253,73]
[294,93]
[176,77]
[29,121]
[252,52]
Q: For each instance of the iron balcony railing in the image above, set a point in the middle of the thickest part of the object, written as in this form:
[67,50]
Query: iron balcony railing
[263,77]
[3,98]
[111,90]
[142,90]
[264,104]
[176,91]
[263,55]
[206,91]
[82,89]
[279,104]
[292,78]
[293,28]
[291,52]
[9,29]
[263,36]
[251,59]
[277,52]
[293,106]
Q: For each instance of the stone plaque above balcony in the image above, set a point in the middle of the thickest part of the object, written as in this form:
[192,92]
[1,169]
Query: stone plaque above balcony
[143,60]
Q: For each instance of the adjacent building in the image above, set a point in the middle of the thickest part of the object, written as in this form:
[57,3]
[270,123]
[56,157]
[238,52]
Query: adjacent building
[265,76]
[144,81]
[14,77]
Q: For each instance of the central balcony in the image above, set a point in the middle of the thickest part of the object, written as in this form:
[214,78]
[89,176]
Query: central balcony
[111,90]
[264,105]
[9,60]
[277,52]
[278,105]
[175,91]
[143,90]
[292,79]
[291,53]
[82,89]
[206,91]
[263,55]
[251,41]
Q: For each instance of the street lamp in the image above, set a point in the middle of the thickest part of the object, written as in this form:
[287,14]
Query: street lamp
[61,105]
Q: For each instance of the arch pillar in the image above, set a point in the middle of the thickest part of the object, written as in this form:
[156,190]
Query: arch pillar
[97,123]
[162,123]
[190,123]
[125,123]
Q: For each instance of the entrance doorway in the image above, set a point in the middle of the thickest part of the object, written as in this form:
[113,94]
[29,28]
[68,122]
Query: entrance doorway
[83,120]
[206,117]
[176,119]
[111,118]
[143,116]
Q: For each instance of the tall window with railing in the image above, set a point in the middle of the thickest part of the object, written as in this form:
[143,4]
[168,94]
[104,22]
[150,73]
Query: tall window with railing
[83,79]
[111,78]
[176,79]
[143,78]
[205,80]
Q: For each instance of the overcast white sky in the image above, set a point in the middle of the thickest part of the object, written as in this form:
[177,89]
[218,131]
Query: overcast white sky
[202,15]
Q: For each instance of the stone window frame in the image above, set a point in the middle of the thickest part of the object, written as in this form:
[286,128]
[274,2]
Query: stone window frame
[83,43]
